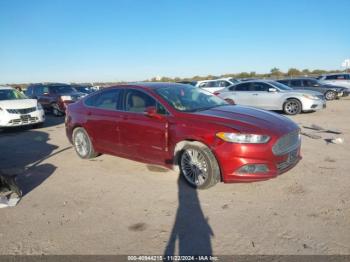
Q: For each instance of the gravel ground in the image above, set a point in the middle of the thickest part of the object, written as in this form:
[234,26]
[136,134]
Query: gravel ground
[111,205]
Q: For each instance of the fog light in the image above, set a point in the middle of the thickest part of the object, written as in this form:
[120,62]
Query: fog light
[253,169]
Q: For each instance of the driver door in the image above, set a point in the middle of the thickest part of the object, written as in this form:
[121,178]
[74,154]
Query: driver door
[143,137]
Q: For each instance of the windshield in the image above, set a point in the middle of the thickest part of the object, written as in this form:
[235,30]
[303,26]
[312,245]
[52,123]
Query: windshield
[188,98]
[62,89]
[11,94]
[280,86]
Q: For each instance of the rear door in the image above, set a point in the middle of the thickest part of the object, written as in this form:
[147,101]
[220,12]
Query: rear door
[103,118]
[143,137]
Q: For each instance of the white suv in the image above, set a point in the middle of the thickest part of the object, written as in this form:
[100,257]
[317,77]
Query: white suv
[336,79]
[18,110]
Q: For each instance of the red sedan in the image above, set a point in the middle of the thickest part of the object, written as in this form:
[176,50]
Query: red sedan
[184,127]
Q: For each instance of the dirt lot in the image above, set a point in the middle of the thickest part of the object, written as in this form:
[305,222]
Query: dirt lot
[110,205]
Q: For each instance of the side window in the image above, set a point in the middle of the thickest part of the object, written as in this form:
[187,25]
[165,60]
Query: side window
[260,87]
[285,82]
[242,87]
[137,101]
[40,90]
[332,77]
[29,91]
[223,83]
[296,83]
[105,100]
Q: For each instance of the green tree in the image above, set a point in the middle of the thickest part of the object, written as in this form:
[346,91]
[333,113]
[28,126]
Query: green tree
[293,72]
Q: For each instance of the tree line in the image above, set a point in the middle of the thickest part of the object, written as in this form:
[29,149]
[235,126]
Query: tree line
[275,73]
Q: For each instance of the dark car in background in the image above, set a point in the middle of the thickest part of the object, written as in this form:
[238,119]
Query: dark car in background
[330,92]
[54,97]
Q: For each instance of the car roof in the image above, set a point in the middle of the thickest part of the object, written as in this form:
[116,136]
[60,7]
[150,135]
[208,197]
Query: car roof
[151,85]
[298,78]
[6,87]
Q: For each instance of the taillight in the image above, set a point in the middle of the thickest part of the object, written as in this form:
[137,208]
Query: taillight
[216,93]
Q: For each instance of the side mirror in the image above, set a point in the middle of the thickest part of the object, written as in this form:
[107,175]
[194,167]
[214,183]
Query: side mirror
[151,112]
[271,89]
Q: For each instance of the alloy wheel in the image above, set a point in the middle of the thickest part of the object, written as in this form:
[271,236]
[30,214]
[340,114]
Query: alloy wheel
[194,166]
[292,107]
[81,144]
[330,95]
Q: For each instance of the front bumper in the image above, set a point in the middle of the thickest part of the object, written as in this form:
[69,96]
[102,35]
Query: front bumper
[13,120]
[313,105]
[232,157]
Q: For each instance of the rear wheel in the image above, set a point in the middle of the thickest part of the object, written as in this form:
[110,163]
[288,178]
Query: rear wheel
[330,95]
[199,167]
[82,144]
[292,107]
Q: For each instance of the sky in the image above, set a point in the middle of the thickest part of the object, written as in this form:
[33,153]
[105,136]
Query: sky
[133,40]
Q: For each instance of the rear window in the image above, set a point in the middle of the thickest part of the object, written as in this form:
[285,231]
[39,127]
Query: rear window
[61,89]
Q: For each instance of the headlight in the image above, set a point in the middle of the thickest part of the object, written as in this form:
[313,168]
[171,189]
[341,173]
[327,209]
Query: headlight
[243,138]
[39,106]
[311,97]
[66,98]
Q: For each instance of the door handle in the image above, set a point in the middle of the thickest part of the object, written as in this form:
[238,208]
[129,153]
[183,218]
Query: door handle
[89,113]
[255,94]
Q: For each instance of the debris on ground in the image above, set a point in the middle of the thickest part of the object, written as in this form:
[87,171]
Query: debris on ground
[311,135]
[10,193]
[338,140]
[323,130]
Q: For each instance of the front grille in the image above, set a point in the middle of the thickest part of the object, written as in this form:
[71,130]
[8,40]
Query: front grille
[23,120]
[22,111]
[286,143]
[291,160]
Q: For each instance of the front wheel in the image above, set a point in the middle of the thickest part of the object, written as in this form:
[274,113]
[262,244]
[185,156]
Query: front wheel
[199,167]
[56,110]
[82,144]
[330,95]
[292,107]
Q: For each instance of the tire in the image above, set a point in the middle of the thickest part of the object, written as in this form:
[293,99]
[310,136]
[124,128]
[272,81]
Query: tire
[199,166]
[56,110]
[37,126]
[330,95]
[292,107]
[82,144]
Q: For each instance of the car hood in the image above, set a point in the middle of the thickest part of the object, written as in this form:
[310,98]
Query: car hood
[18,103]
[300,92]
[249,119]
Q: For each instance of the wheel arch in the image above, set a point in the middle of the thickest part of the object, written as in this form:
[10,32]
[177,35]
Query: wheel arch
[181,145]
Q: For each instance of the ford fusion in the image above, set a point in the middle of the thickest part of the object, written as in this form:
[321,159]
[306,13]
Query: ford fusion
[184,128]
[17,110]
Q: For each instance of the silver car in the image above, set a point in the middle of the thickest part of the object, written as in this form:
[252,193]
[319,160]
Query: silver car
[271,95]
